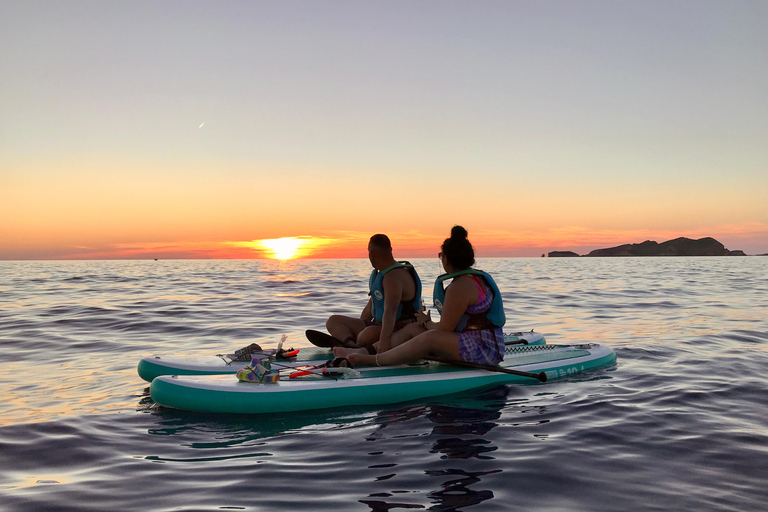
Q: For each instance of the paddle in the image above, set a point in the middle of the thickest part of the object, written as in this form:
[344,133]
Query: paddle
[541,376]
[320,339]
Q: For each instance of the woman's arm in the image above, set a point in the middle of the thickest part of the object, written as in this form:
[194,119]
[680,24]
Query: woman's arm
[461,294]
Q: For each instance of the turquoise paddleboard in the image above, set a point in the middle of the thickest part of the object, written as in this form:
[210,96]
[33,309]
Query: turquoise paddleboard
[371,385]
[222,364]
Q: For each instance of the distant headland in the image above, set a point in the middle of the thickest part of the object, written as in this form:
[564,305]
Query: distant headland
[678,247]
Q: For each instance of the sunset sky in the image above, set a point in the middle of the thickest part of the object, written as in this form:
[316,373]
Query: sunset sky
[191,129]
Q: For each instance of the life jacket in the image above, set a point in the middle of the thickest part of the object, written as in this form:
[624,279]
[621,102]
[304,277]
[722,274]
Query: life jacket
[488,319]
[407,309]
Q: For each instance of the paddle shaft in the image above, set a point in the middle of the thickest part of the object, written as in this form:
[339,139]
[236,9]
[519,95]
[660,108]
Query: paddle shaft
[541,376]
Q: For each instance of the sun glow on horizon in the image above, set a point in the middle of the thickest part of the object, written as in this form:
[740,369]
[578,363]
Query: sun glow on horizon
[283,248]
[749,237]
[286,248]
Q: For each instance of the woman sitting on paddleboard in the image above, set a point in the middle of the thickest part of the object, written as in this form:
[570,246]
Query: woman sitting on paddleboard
[471,317]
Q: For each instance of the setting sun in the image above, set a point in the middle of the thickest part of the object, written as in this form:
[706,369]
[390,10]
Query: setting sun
[283,248]
[286,248]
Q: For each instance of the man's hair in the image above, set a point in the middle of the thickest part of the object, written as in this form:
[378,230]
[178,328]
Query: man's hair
[381,242]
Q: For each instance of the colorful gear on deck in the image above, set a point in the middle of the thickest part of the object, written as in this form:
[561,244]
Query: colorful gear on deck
[258,372]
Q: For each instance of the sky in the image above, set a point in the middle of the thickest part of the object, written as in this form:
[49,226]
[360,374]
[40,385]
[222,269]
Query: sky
[201,129]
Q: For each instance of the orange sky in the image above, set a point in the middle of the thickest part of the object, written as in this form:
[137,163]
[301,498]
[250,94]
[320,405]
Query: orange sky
[119,141]
[88,209]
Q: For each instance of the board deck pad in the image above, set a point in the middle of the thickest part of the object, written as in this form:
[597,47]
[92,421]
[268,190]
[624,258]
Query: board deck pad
[516,356]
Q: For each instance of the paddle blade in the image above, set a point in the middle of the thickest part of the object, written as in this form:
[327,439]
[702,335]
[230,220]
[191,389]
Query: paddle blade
[320,339]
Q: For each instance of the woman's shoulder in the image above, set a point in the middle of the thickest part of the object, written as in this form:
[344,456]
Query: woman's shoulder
[463,282]
[464,289]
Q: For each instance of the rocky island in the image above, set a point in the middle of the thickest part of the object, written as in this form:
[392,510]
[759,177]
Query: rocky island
[678,247]
[563,254]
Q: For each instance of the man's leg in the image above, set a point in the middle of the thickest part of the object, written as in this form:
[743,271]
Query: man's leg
[372,333]
[406,333]
[369,335]
[344,327]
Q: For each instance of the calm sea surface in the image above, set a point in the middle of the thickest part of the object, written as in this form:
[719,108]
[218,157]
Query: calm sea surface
[680,423]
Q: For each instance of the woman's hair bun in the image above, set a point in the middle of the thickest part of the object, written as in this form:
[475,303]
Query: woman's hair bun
[458,232]
[458,250]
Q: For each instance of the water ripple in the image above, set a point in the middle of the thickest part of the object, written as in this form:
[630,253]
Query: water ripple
[678,423]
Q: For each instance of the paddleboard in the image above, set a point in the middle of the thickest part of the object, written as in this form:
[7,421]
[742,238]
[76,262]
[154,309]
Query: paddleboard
[154,366]
[371,385]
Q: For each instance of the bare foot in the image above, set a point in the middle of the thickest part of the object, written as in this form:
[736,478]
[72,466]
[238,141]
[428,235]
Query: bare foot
[344,352]
[361,359]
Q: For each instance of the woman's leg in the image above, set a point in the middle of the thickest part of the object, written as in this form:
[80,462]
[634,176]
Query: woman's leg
[441,344]
[345,352]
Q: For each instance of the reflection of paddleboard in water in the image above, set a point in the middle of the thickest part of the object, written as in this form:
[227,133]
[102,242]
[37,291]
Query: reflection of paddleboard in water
[371,385]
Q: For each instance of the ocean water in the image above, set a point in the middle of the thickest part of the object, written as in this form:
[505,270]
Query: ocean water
[679,423]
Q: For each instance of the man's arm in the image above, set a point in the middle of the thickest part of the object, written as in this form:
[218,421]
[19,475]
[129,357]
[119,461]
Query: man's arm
[393,295]
[367,313]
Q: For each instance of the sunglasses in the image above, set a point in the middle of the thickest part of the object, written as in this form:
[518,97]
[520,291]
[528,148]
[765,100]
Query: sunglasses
[440,255]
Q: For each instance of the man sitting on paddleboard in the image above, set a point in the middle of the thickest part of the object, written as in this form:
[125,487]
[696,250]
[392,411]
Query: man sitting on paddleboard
[395,296]
[471,317]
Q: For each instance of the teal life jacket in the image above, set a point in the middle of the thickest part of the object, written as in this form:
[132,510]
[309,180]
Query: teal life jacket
[407,309]
[489,319]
